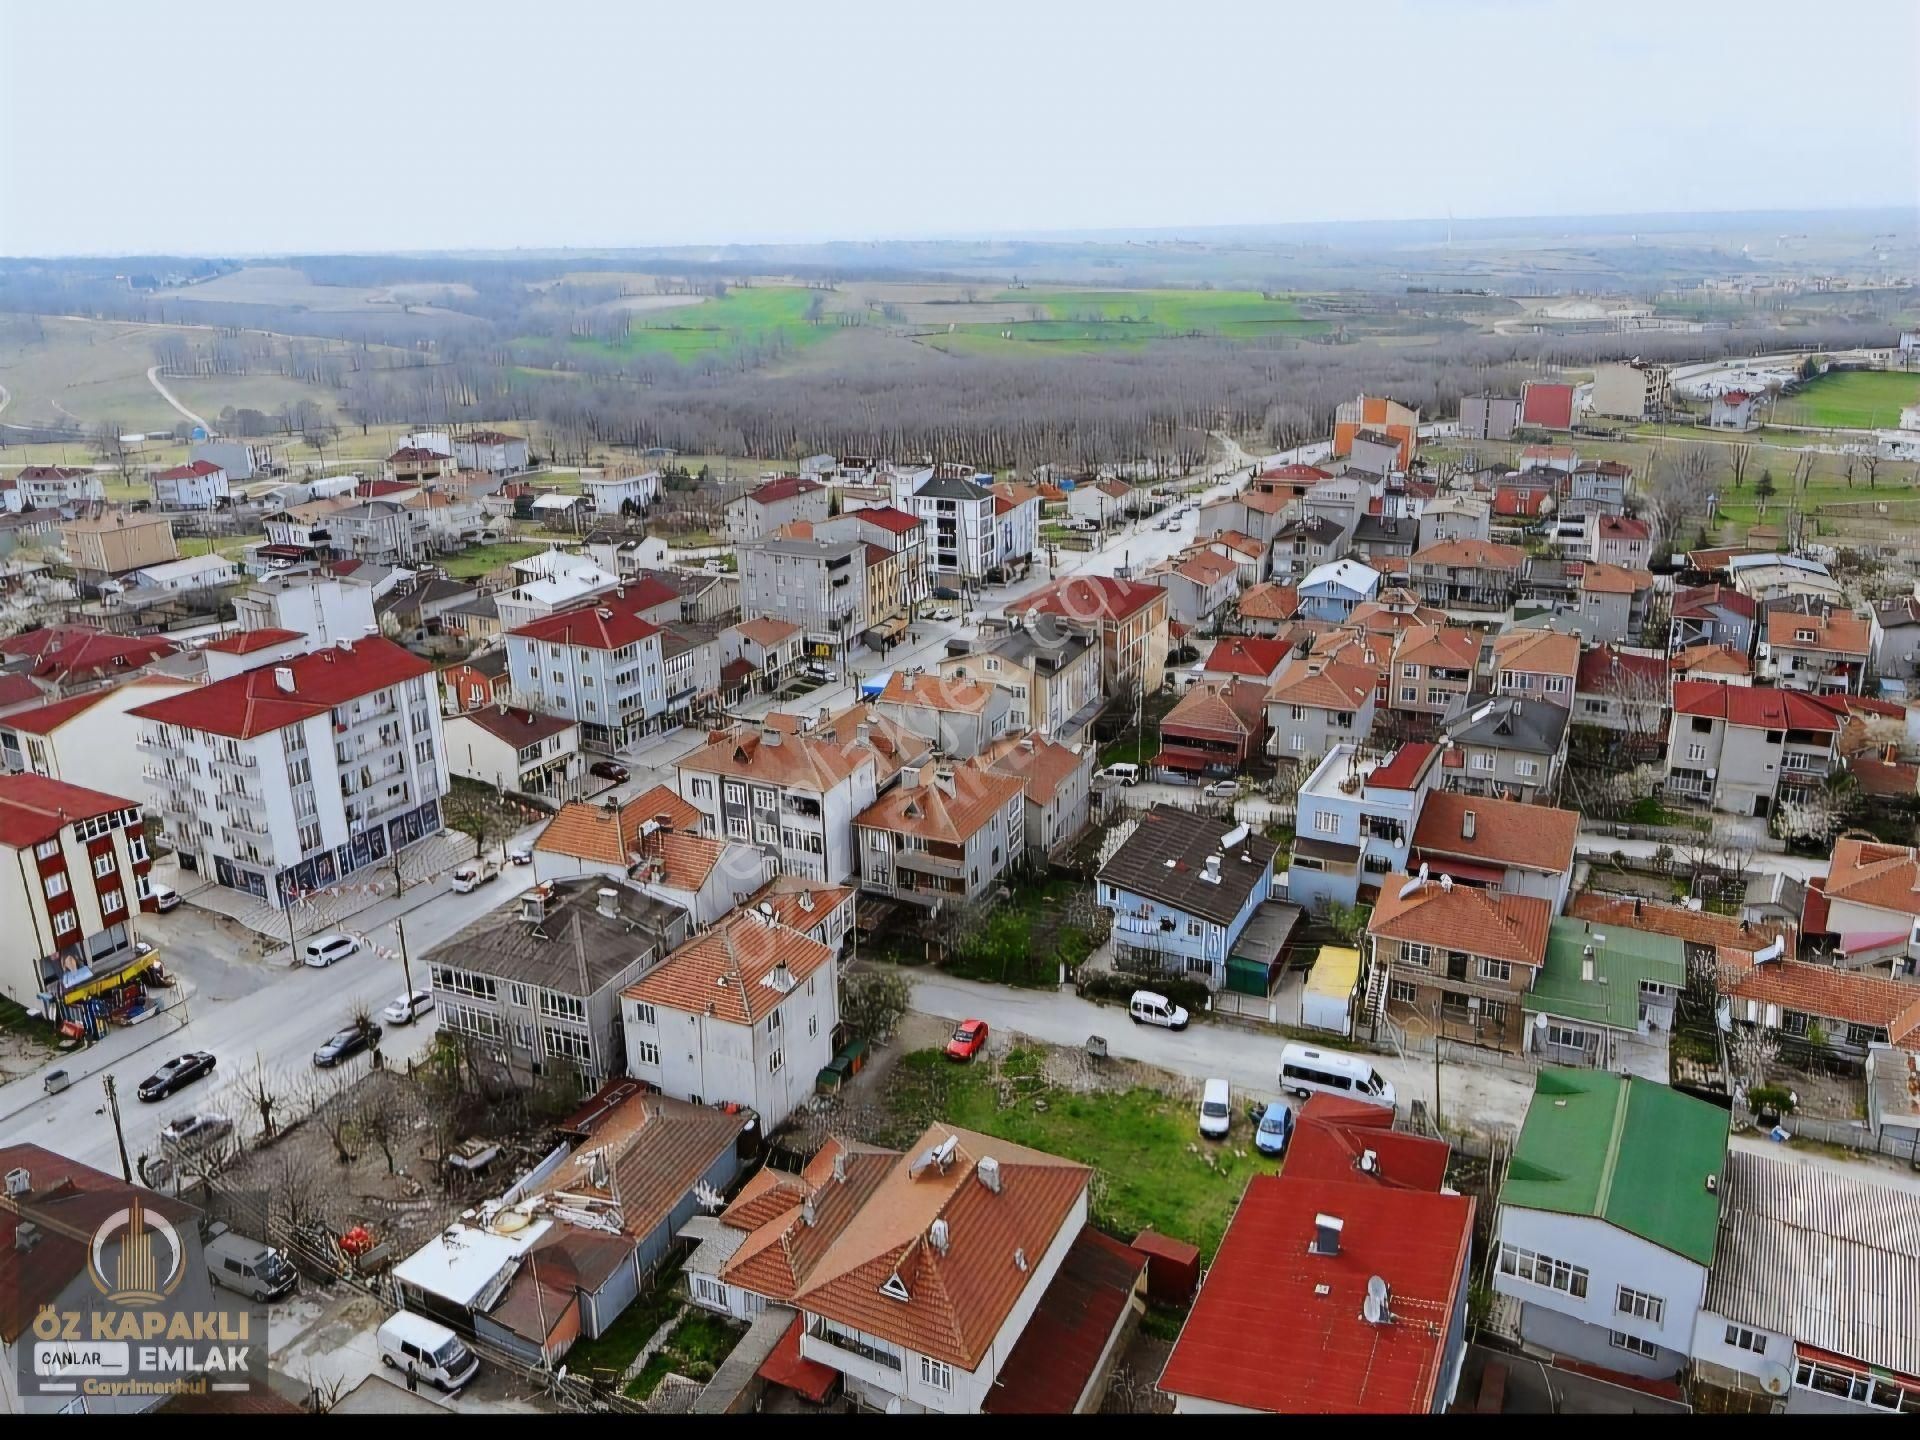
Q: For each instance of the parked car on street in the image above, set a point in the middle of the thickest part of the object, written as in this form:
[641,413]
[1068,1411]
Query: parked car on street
[1222,790]
[520,855]
[1147,1008]
[181,1070]
[408,1008]
[969,1039]
[323,950]
[1122,773]
[609,770]
[195,1131]
[345,1043]
[165,898]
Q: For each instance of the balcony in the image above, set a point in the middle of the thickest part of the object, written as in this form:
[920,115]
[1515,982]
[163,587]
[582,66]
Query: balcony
[236,765]
[926,863]
[154,744]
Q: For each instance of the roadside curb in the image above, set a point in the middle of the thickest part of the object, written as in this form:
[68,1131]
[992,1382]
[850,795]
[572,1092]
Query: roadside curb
[38,1078]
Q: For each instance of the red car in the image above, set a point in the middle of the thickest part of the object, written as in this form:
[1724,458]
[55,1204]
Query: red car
[968,1040]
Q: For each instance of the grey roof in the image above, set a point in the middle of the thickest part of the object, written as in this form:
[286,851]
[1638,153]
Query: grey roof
[1510,723]
[1045,640]
[1166,857]
[1316,528]
[572,934]
[1381,530]
[486,605]
[808,549]
[952,489]
[1825,1259]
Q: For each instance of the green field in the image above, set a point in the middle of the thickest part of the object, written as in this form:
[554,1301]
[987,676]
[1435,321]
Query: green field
[480,560]
[744,319]
[1851,399]
[1103,319]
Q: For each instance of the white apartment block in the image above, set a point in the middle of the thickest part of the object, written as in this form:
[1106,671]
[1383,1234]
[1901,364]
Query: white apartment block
[598,665]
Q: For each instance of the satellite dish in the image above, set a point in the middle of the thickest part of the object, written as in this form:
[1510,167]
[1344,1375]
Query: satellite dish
[1373,1311]
[1775,1378]
[1377,1289]
[1540,1022]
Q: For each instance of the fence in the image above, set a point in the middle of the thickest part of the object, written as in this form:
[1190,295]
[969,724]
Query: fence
[1852,1135]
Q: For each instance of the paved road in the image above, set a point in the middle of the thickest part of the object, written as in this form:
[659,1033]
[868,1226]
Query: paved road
[153,378]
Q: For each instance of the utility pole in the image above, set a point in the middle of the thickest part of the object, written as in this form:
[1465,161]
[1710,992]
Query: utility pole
[1436,1064]
[406,967]
[119,1135]
[399,880]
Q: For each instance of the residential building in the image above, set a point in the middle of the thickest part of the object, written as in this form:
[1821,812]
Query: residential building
[1618,540]
[1186,891]
[1745,750]
[1249,555]
[1605,999]
[1823,1009]
[569,586]
[1399,422]
[624,554]
[67,660]
[1767,576]
[1291,481]
[116,542]
[516,750]
[1869,901]
[1453,517]
[1546,405]
[963,533]
[820,912]
[1393,611]
[652,841]
[184,577]
[1244,657]
[379,532]
[1474,581]
[1608,1219]
[907,582]
[1104,502]
[760,512]
[958,716]
[1129,619]
[1059,781]
[1507,747]
[743,1014]
[1358,1205]
[490,450]
[1355,817]
[1016,509]
[1632,391]
[86,737]
[1257,512]
[1720,664]
[476,684]
[1268,608]
[196,485]
[288,778]
[1718,942]
[1624,691]
[1502,845]
[944,835]
[541,988]
[1599,487]
[1616,605]
[79,872]
[1050,672]
[1374,452]
[1317,704]
[1488,416]
[1734,410]
[1433,669]
[1536,665]
[1215,730]
[1712,615]
[49,487]
[616,495]
[325,608]
[1331,591]
[1455,959]
[1557,460]
[793,796]
[819,585]
[1200,588]
[599,666]
[1306,542]
[417,464]
[1820,649]
[772,647]
[1896,639]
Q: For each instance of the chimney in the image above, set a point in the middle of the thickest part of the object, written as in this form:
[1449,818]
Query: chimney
[940,1236]
[1213,868]
[283,678]
[987,1172]
[840,1166]
[1467,823]
[26,1235]
[909,777]
[609,902]
[1326,1234]
[907,682]
[769,735]
[943,781]
[533,906]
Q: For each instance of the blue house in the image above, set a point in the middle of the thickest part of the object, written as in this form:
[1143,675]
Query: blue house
[1356,819]
[1331,591]
[1192,895]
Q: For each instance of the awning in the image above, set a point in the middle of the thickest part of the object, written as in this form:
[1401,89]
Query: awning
[1464,869]
[808,1379]
[1327,851]
[286,552]
[102,981]
[889,627]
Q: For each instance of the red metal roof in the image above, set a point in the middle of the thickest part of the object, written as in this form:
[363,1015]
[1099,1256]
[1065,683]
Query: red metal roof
[808,1379]
[1054,1360]
[888,518]
[785,488]
[1247,655]
[33,808]
[45,719]
[63,650]
[190,471]
[248,641]
[1401,768]
[609,623]
[1546,405]
[1757,706]
[252,703]
[1333,1135]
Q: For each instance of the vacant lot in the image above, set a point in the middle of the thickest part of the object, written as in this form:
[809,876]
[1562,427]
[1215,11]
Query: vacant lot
[478,560]
[81,372]
[1854,399]
[758,318]
[1103,319]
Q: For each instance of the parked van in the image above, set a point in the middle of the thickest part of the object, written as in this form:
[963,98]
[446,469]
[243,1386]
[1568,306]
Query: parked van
[1216,1110]
[1124,772]
[1304,1071]
[1147,1008]
[435,1352]
[249,1267]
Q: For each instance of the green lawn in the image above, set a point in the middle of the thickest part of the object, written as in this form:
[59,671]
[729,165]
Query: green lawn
[615,1348]
[479,560]
[1105,319]
[762,316]
[695,1349]
[1024,940]
[231,546]
[1855,399]
[1154,1171]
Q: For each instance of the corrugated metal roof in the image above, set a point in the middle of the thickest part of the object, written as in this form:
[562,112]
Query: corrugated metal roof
[1830,1261]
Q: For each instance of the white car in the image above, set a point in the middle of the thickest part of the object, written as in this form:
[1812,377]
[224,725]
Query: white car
[944,612]
[520,855]
[1222,790]
[323,950]
[408,1008]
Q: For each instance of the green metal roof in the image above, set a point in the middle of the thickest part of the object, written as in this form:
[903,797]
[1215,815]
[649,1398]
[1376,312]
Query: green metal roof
[1612,996]
[1628,1151]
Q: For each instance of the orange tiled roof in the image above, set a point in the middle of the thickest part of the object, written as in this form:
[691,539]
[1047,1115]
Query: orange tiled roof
[1603,579]
[731,972]
[1335,686]
[1696,927]
[938,692]
[1269,600]
[927,809]
[776,759]
[1542,652]
[588,831]
[1506,832]
[1829,993]
[1041,762]
[1870,873]
[1204,567]
[1441,645]
[1234,706]
[766,632]
[1840,631]
[797,902]
[1461,917]
[1709,660]
[1480,554]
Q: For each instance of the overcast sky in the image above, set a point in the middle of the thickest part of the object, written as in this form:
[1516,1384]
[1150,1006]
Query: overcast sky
[235,126]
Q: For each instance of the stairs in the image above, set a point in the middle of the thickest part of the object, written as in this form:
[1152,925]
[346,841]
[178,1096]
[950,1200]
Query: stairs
[1374,1007]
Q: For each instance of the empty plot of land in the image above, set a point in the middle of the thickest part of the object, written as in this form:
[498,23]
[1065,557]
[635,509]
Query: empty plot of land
[1851,399]
[85,372]
[283,285]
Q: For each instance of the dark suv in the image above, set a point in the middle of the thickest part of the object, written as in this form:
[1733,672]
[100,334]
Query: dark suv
[345,1043]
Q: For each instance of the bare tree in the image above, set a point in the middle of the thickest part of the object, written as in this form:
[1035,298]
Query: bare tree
[264,1097]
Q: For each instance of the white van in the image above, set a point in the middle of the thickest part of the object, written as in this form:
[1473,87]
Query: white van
[436,1354]
[1216,1110]
[1303,1071]
[1124,772]
[1147,1008]
[251,1267]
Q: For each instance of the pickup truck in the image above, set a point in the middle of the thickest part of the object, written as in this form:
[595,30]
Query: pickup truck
[474,874]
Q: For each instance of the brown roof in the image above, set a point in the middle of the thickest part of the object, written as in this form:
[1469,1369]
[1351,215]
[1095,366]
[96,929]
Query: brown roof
[1847,633]
[730,972]
[1090,597]
[797,902]
[1506,832]
[589,831]
[1442,645]
[1544,652]
[678,859]
[660,1147]
[1234,706]
[1870,873]
[1710,660]
[1066,1337]
[1239,541]
[767,632]
[518,728]
[1482,554]
[1613,579]
[1042,763]
[1462,917]
[785,1241]
[948,802]
[774,758]
[1206,568]
[1735,938]
[1269,600]
[1333,686]
[938,692]
[1832,994]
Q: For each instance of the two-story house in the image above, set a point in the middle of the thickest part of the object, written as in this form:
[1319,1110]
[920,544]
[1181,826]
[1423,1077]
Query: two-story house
[1302,543]
[1712,615]
[1256,512]
[1507,747]
[1815,648]
[1184,890]
[957,716]
[1244,657]
[1248,554]
[1199,588]
[763,510]
[1609,1217]
[1317,704]
[945,834]
[1051,673]
[1331,591]
[1456,960]
[1356,817]
[1474,581]
[1214,730]
[1100,502]
[1129,620]
[1059,780]
[515,750]
[494,451]
[1536,665]
[1502,845]
[600,666]
[1268,608]
[744,1013]
[1453,517]
[1746,749]
[1599,487]
[1433,669]
[1622,690]
[1605,999]
[197,485]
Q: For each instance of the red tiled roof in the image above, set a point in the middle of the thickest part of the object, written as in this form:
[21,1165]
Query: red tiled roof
[1442,645]
[1506,832]
[1090,597]
[1269,600]
[61,652]
[784,488]
[1600,578]
[252,703]
[1335,686]
[1699,601]
[1756,706]
[888,518]
[33,808]
[45,719]
[1536,652]
[1234,706]
[1696,927]
[193,470]
[1868,872]
[17,689]
[248,641]
[1480,554]
[1829,993]
[786,1367]
[1522,502]
[728,973]
[1297,472]
[1847,633]
[1053,1361]
[1247,655]
[1605,671]
[606,624]
[1503,927]
[1710,660]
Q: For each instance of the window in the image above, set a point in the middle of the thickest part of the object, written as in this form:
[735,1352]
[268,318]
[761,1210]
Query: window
[1741,1338]
[46,849]
[936,1374]
[567,1044]
[104,865]
[1620,1340]
[1325,822]
[647,1053]
[643,1013]
[111,901]
[1640,1305]
[1526,769]
[736,793]
[1408,694]
[1556,684]
[773,1024]
[562,1007]
[1862,1036]
[1409,672]
[1543,1270]
[1696,752]
[1794,1022]
[1193,929]
[1421,955]
[813,1025]
[1404,992]
[775,1060]
[703,789]
[64,923]
[56,884]
[1482,760]
[1495,970]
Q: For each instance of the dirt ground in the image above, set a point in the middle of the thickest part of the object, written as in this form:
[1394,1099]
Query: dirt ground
[1130,1391]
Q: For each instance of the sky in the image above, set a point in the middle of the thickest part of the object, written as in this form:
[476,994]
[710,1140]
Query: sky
[207,126]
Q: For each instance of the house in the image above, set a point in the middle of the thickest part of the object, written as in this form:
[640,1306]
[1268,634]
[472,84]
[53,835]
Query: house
[1291,481]
[116,542]
[1104,502]
[1254,511]
[1518,505]
[241,459]
[600,666]
[625,555]
[963,532]
[49,487]
[1768,576]
[1609,1217]
[1215,730]
[491,450]
[819,585]
[1869,901]
[958,716]
[1331,591]
[622,494]
[1355,816]
[742,1014]
[1623,691]
[1200,588]
[1356,1255]
[1016,509]
[1632,391]
[1821,649]
[80,871]
[196,485]
[945,834]
[1050,672]
[185,577]
[515,750]
[1401,423]
[760,512]
[820,912]
[379,532]
[1712,941]
[1488,416]
[1317,704]
[1546,405]
[1605,999]
[1896,639]
[1266,608]
[1474,581]
[1245,657]
[1453,517]
[653,841]
[571,583]
[1185,891]
[1305,542]
[1374,452]
[417,464]
[1745,750]
[1501,845]
[1508,747]
[1129,620]
[1536,665]
[1248,554]
[904,584]
[1059,780]
[1822,1007]
[1617,540]
[1734,410]
[1433,669]
[324,607]
[1455,959]
[1385,541]
[69,659]
[86,737]
[418,608]
[1598,487]
[1712,615]
[1393,611]
[772,647]
[1718,664]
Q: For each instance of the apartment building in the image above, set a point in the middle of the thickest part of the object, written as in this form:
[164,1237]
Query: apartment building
[1508,747]
[1356,817]
[1536,665]
[958,717]
[196,485]
[1400,423]
[1815,648]
[1621,540]
[1050,672]
[1317,704]
[1616,604]
[323,608]
[1632,391]
[906,582]
[86,737]
[1488,416]
[819,585]
[1599,487]
[1059,781]
[1433,669]
[1200,588]
[600,666]
[793,796]
[116,542]
[1016,510]
[1474,581]
[762,511]
[1304,543]
[78,873]
[1746,749]
[944,835]
[1128,619]
[963,533]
